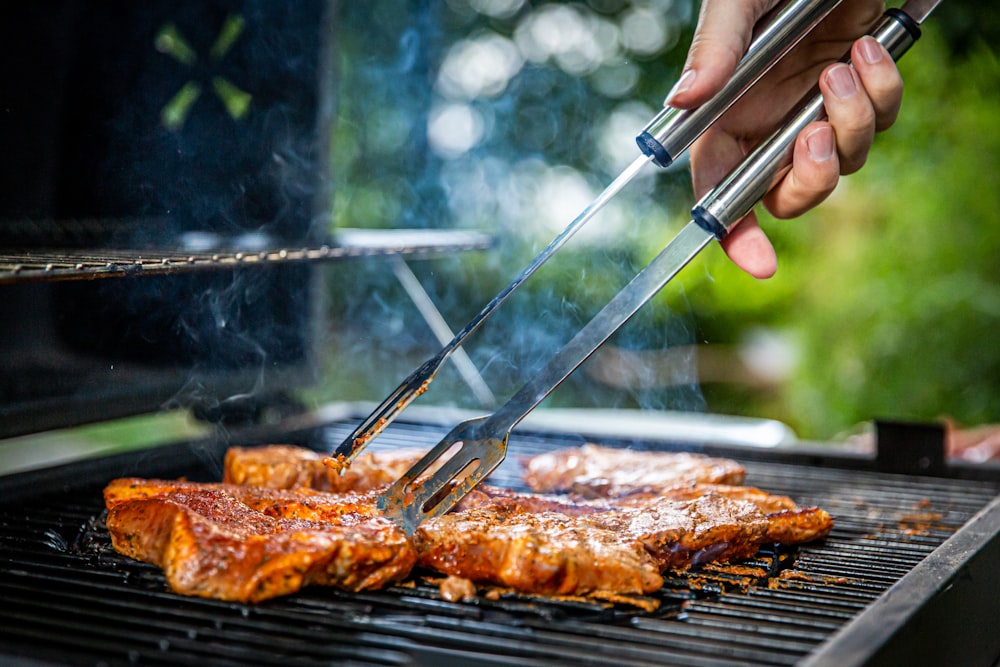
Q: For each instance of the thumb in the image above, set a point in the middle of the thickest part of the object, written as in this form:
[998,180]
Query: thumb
[723,34]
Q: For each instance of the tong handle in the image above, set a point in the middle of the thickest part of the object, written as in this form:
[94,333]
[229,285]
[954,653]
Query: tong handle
[726,204]
[668,135]
[672,130]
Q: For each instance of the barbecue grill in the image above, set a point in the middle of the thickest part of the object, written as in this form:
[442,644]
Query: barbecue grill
[98,323]
[911,557]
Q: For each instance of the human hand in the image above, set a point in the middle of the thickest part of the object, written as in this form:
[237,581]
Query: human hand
[859,100]
[978,444]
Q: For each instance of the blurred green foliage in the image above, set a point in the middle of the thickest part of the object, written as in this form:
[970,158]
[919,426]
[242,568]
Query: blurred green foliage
[911,330]
[891,289]
[887,296]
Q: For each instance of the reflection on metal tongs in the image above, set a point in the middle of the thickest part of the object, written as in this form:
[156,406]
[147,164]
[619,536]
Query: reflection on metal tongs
[662,141]
[482,443]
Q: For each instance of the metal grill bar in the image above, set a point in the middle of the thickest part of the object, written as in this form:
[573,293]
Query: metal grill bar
[76,264]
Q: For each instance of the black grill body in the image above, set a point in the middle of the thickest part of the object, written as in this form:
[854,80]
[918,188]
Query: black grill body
[907,573]
[165,206]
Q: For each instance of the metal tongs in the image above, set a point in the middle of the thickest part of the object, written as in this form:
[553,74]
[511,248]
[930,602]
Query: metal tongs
[480,445]
[662,141]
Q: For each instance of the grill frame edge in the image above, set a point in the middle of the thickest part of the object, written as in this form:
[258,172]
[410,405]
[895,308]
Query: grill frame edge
[949,595]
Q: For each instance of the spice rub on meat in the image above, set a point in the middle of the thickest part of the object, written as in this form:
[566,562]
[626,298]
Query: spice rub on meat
[291,467]
[593,471]
[249,544]
[245,541]
[787,523]
[625,476]
[552,546]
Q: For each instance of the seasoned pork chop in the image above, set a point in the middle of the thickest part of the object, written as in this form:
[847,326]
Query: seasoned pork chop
[291,467]
[593,471]
[240,543]
[547,545]
[787,523]
[641,514]
[545,552]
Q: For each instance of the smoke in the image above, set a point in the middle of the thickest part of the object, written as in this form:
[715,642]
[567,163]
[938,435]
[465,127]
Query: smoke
[515,116]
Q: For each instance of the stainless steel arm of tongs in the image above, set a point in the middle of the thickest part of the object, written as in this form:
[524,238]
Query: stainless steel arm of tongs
[482,443]
[662,141]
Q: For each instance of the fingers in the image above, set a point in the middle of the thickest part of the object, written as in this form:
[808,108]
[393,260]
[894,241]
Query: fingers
[813,176]
[859,101]
[851,114]
[723,34]
[881,80]
[749,248]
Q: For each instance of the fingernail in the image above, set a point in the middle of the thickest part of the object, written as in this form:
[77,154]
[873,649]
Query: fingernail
[820,144]
[871,51]
[841,81]
[683,84]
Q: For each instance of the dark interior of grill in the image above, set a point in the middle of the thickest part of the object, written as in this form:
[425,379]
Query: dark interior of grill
[69,597]
[166,244]
[157,136]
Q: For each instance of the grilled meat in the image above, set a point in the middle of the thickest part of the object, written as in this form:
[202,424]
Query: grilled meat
[247,544]
[627,477]
[679,534]
[544,552]
[787,523]
[456,589]
[593,471]
[552,546]
[291,467]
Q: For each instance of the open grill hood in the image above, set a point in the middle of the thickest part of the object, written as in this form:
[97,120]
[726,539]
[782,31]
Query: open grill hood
[909,558]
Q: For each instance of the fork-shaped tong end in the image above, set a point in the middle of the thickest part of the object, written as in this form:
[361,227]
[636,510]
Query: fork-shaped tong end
[415,497]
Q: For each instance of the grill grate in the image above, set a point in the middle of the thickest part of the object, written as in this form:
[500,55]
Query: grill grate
[75,264]
[69,598]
